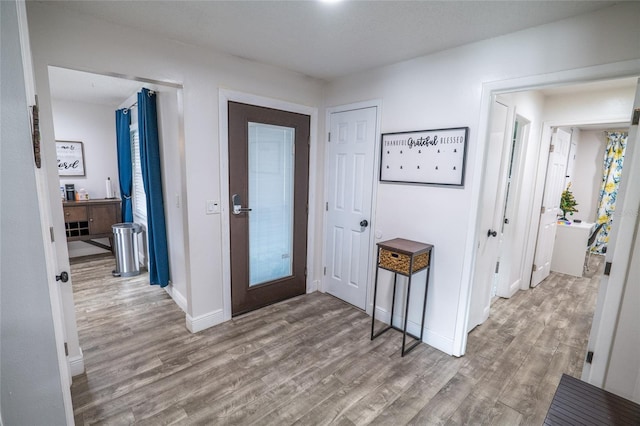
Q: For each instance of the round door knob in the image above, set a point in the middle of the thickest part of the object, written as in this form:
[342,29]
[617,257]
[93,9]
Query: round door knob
[364,223]
[492,233]
[64,277]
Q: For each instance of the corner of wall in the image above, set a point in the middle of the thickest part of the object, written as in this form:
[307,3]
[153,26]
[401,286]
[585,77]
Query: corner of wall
[177,297]
[205,321]
[76,364]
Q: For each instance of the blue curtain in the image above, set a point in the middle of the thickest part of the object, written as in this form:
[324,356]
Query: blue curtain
[152,179]
[123,139]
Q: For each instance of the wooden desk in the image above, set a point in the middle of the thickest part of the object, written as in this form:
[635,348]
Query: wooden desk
[570,248]
[91,219]
[404,257]
[580,403]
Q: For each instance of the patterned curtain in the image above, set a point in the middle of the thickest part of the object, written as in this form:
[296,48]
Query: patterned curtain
[613,159]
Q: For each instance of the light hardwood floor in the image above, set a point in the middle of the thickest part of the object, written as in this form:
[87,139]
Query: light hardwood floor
[309,360]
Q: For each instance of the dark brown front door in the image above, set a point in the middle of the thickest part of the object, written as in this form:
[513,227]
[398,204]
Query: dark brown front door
[268,188]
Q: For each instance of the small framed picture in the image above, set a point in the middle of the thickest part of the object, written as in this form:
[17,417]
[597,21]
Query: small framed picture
[70,157]
[428,157]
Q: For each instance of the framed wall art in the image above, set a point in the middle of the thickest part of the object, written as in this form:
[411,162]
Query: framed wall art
[430,157]
[70,157]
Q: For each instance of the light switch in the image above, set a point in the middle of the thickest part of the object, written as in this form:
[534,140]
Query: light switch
[213,207]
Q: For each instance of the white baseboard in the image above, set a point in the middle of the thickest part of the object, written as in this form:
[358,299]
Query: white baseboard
[313,286]
[205,321]
[435,340]
[177,297]
[76,364]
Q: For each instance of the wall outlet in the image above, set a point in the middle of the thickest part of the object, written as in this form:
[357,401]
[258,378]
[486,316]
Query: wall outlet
[213,207]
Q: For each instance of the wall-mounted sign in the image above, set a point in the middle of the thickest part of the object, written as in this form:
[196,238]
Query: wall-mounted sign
[70,158]
[435,157]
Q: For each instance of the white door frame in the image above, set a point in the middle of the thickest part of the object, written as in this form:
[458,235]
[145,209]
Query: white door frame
[377,103]
[622,69]
[226,95]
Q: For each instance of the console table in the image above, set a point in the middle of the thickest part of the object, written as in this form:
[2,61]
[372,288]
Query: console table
[91,219]
[404,257]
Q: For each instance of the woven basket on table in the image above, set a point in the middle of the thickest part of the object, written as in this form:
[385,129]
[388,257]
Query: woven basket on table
[399,262]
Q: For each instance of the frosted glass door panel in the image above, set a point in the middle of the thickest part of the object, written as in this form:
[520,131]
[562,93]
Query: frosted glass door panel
[271,160]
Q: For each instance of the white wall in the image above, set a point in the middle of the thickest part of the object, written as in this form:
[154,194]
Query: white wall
[444,90]
[79,42]
[607,106]
[31,391]
[587,174]
[94,126]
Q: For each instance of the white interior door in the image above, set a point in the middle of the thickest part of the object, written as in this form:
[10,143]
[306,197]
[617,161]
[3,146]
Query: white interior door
[553,186]
[511,258]
[47,245]
[351,175]
[492,202]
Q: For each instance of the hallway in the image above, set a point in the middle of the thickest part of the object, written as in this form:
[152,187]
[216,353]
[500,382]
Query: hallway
[309,360]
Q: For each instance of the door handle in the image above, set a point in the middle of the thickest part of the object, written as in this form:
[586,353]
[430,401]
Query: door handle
[492,233]
[236,202]
[364,223]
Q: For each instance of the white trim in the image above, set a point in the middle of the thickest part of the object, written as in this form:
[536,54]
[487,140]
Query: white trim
[205,321]
[374,103]
[177,297]
[598,72]
[76,364]
[429,337]
[226,95]
[313,286]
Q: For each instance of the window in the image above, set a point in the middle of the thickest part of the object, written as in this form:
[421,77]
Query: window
[137,194]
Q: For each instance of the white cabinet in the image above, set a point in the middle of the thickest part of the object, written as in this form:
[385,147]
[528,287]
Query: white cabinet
[570,247]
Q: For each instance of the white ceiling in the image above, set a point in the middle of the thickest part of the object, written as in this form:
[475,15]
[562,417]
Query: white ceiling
[323,40]
[329,40]
[71,85]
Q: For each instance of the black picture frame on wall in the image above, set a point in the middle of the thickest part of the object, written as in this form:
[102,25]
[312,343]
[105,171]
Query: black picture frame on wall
[70,156]
[425,157]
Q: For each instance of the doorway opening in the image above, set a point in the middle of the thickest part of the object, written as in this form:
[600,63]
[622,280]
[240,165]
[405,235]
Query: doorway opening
[581,107]
[83,108]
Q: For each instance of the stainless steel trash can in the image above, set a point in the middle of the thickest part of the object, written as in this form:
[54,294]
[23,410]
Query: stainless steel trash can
[125,241]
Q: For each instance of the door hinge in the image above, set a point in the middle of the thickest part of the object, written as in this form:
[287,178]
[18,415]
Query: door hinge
[329,136]
[325,271]
[551,148]
[607,268]
[636,117]
[534,268]
[542,209]
[305,271]
[66,349]
[53,237]
[326,206]
[497,267]
[589,357]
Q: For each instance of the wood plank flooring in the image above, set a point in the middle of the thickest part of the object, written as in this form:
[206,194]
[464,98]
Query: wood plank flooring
[309,360]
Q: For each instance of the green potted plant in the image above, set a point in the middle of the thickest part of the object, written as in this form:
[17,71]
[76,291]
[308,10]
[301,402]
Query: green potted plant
[568,203]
